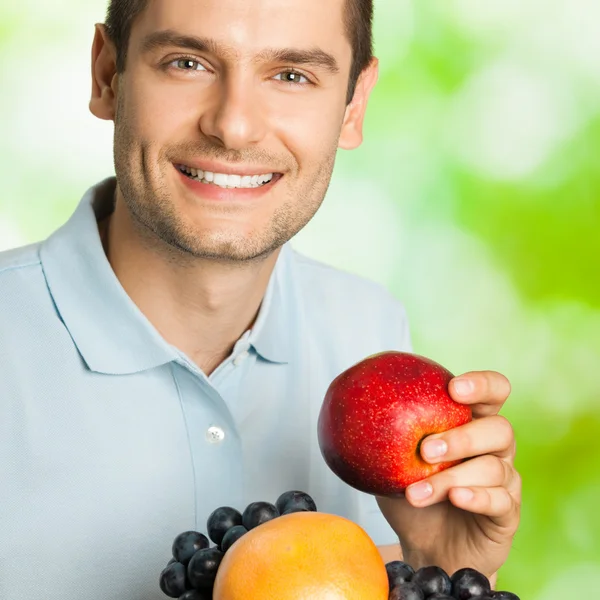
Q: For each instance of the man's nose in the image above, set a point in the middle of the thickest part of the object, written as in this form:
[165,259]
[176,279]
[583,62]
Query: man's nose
[235,120]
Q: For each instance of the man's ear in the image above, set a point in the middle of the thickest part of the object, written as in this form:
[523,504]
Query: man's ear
[104,76]
[351,136]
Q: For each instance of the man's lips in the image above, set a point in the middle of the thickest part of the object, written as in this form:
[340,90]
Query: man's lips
[227,180]
[221,186]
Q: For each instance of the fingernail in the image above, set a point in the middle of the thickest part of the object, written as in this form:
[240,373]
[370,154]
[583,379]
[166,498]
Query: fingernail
[420,491]
[463,494]
[463,387]
[435,448]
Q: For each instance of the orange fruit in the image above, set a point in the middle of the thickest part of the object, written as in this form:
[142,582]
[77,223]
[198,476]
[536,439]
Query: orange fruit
[302,556]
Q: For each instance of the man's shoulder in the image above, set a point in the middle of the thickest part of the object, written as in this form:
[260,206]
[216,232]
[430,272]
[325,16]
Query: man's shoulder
[336,285]
[345,317]
[25,257]
[349,309]
[22,285]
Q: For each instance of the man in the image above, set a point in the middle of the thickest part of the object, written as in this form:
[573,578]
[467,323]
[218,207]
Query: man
[166,351]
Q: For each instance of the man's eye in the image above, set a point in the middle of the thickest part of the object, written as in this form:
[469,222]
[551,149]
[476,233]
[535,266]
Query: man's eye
[292,77]
[187,64]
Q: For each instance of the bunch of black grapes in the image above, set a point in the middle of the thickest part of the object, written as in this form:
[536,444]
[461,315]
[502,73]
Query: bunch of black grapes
[433,583]
[191,573]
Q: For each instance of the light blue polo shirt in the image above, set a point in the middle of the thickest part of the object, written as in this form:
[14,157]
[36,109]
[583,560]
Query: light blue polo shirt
[112,441]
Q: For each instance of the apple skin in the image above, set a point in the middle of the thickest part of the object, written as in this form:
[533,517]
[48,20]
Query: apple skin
[375,416]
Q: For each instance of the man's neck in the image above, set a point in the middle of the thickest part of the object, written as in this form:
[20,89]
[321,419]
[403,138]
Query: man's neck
[199,306]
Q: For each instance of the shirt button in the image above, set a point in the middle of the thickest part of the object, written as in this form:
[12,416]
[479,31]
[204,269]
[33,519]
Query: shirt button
[215,435]
[237,361]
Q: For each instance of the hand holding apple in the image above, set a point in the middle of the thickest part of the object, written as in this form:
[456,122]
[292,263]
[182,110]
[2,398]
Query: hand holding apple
[467,513]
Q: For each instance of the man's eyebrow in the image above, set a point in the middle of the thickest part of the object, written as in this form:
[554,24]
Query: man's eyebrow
[315,57]
[167,37]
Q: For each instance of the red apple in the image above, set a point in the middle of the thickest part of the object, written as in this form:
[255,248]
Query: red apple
[375,416]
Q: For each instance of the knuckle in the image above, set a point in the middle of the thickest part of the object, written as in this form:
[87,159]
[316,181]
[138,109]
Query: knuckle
[507,502]
[498,383]
[507,472]
[490,462]
[506,386]
[495,467]
[506,429]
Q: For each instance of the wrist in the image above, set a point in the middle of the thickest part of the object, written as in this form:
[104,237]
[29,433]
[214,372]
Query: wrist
[416,558]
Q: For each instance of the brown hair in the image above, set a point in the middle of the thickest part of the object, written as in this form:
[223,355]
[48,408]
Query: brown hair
[359,27]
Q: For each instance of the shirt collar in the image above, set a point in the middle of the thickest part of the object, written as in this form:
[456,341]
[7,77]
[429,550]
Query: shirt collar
[112,335]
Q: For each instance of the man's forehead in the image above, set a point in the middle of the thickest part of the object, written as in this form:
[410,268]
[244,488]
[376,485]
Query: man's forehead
[250,24]
[186,7]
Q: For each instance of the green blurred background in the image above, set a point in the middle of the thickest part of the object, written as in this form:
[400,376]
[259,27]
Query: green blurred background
[473,198]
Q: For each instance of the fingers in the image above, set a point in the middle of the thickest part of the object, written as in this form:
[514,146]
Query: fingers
[484,391]
[496,503]
[484,471]
[492,435]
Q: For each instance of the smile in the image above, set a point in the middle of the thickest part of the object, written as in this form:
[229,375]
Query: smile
[226,181]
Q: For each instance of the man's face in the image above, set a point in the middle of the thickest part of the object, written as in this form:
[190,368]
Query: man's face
[228,120]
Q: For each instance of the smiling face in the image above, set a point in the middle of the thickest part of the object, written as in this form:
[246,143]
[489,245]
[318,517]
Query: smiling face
[228,117]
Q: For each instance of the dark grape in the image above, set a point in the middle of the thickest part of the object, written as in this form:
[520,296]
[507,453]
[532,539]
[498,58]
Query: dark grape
[432,580]
[406,591]
[480,598]
[504,596]
[173,580]
[221,521]
[171,562]
[197,595]
[258,513]
[467,583]
[399,572]
[232,536]
[295,501]
[439,597]
[187,544]
[295,510]
[202,569]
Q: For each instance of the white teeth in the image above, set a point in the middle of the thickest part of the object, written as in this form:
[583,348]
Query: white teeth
[228,181]
[221,179]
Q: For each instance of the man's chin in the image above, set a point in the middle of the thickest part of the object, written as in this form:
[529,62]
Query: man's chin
[219,248]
